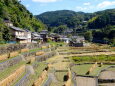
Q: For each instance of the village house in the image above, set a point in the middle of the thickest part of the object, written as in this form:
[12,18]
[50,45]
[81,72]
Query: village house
[44,35]
[54,37]
[77,41]
[64,39]
[8,23]
[36,37]
[29,36]
[18,35]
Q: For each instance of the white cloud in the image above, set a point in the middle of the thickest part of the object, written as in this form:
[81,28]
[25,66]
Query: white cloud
[87,3]
[45,1]
[106,4]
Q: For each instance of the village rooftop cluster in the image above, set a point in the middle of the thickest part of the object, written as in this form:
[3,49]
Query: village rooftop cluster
[20,35]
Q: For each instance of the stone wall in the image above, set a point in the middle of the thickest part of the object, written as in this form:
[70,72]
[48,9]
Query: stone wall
[26,57]
[40,80]
[45,56]
[10,63]
[23,82]
[13,77]
[15,47]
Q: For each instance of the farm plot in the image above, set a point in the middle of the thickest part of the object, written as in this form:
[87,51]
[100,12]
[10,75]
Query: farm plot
[83,69]
[100,58]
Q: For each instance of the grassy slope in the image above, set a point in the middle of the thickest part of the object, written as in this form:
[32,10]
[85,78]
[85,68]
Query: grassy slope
[82,69]
[10,70]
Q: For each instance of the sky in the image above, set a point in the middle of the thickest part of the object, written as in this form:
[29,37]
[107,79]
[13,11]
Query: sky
[89,6]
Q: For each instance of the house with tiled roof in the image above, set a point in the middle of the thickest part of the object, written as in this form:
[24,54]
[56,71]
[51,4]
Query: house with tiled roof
[18,34]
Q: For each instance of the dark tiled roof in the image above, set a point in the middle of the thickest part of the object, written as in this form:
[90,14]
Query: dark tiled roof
[7,21]
[35,34]
[17,28]
[44,32]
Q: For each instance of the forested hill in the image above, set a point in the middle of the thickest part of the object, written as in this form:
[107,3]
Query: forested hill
[102,19]
[73,19]
[15,12]
[64,17]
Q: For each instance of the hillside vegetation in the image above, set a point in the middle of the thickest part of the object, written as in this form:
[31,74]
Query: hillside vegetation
[15,12]
[102,19]
[97,27]
[64,17]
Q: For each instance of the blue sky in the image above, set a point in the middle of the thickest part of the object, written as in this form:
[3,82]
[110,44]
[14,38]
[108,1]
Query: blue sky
[40,6]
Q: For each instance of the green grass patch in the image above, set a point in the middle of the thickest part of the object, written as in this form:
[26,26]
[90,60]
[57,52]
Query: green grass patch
[10,70]
[40,68]
[100,58]
[83,69]
[111,69]
[56,43]
[60,76]
[36,49]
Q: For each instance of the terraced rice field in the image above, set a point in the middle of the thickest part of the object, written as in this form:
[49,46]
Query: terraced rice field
[83,69]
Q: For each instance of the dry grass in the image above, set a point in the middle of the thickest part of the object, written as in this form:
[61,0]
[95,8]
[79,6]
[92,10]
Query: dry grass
[11,78]
[39,53]
[4,56]
[13,54]
[41,79]
[24,50]
[44,47]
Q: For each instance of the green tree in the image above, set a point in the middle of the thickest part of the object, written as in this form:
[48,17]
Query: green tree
[88,36]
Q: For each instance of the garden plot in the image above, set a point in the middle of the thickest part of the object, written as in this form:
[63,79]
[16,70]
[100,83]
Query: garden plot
[99,58]
[84,68]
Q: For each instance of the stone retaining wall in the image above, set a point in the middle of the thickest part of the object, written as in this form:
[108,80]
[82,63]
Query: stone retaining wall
[40,80]
[45,56]
[10,63]
[27,57]
[15,47]
[13,77]
[23,82]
